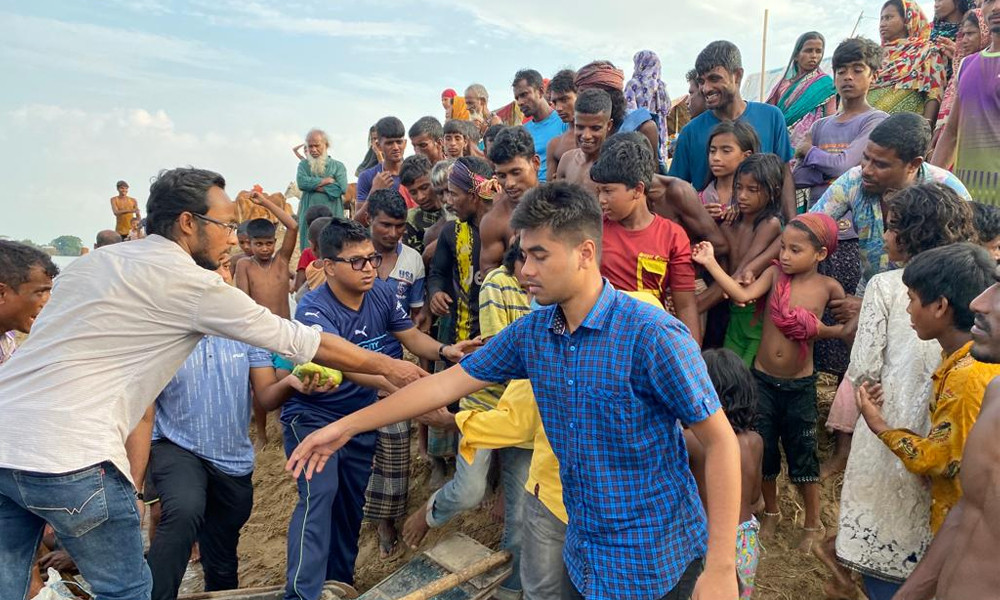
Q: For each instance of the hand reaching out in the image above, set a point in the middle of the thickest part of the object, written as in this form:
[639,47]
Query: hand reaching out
[869,397]
[455,352]
[703,253]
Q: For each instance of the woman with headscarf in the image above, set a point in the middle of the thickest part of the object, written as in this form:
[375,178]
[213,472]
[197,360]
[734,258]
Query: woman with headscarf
[647,90]
[454,106]
[805,94]
[914,71]
[973,36]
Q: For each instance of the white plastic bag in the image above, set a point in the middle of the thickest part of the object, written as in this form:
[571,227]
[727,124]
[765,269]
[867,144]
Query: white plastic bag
[55,588]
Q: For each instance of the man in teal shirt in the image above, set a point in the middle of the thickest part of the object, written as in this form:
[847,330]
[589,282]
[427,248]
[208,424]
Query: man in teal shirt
[322,180]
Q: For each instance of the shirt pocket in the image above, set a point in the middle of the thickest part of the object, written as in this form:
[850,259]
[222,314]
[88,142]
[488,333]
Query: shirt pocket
[73,503]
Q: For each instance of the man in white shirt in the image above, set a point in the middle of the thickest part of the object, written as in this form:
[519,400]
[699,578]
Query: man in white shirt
[119,324]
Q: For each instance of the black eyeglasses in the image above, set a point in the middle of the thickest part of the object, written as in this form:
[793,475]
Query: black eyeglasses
[358,262]
[232,227]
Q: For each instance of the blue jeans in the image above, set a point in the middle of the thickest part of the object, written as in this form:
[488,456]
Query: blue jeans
[880,589]
[543,572]
[93,512]
[466,490]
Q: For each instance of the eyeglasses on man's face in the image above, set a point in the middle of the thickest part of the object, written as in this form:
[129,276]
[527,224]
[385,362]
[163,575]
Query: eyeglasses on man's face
[232,227]
[358,262]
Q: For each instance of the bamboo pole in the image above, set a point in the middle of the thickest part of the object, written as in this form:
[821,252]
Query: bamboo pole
[763,58]
[455,579]
[857,23]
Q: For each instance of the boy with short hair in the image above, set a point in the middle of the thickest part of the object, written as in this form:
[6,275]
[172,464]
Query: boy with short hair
[562,91]
[591,126]
[242,250]
[835,143]
[427,139]
[515,166]
[362,308]
[314,271]
[642,251]
[941,283]
[264,276]
[415,176]
[308,255]
[455,140]
[403,268]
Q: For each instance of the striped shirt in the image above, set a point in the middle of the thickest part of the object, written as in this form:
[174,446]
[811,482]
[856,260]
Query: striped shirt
[205,408]
[612,395]
[120,322]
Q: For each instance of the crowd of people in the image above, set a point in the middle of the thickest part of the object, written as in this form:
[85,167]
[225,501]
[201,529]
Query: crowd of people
[626,333]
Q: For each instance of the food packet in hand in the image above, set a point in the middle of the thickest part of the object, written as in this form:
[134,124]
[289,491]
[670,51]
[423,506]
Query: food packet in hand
[326,374]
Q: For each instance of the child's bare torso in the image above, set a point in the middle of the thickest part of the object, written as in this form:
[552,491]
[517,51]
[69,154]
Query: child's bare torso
[269,284]
[779,356]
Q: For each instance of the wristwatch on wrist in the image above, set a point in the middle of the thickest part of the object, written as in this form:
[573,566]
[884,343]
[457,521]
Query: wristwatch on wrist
[441,353]
[139,496]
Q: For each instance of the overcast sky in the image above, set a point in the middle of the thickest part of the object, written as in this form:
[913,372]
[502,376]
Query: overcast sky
[118,89]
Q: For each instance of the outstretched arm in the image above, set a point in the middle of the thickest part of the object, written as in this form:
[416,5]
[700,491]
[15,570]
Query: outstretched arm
[704,255]
[419,398]
[292,227]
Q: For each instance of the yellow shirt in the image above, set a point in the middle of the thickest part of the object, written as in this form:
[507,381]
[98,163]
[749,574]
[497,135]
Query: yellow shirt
[501,302]
[516,422]
[959,385]
[123,222]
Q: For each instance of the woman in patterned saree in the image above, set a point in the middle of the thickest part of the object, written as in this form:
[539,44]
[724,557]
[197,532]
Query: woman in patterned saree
[914,71]
[805,94]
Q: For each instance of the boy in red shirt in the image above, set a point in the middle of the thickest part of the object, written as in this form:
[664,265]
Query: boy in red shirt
[642,251]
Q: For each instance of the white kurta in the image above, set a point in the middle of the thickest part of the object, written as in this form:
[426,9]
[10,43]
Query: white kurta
[884,509]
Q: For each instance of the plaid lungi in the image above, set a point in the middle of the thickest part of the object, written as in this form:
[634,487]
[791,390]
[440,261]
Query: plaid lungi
[386,495]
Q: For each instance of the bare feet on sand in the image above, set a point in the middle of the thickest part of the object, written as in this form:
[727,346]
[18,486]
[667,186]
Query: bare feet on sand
[416,527]
[840,586]
[769,524]
[811,536]
[388,538]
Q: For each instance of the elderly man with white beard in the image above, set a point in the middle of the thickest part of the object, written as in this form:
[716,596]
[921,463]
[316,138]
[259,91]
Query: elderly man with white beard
[322,180]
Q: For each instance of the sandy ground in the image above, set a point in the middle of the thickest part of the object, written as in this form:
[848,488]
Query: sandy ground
[784,573]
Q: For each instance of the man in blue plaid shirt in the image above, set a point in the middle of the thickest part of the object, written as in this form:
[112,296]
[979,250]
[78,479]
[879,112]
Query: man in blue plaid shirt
[614,379]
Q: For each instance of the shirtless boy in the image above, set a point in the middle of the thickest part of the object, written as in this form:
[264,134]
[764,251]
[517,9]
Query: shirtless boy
[264,276]
[562,90]
[516,169]
[591,126]
[961,563]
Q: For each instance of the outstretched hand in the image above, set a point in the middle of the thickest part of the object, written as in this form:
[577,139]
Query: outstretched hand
[869,398]
[315,450]
[455,352]
[403,373]
[703,253]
